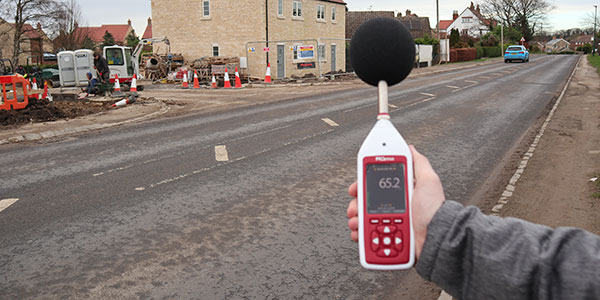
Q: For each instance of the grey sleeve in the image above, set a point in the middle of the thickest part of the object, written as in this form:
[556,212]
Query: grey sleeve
[474,256]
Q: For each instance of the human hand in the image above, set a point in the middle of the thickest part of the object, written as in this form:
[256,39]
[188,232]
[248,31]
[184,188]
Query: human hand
[428,197]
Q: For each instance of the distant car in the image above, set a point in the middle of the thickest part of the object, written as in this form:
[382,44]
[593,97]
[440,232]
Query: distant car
[516,53]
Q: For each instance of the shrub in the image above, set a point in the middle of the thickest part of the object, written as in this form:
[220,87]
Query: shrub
[492,51]
[587,48]
[479,51]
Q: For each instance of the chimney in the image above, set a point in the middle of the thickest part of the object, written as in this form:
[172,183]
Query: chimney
[455,15]
[477,9]
[39,26]
[149,21]
[129,22]
[472,6]
[408,13]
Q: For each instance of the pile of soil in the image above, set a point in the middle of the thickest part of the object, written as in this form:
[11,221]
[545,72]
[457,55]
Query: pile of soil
[44,111]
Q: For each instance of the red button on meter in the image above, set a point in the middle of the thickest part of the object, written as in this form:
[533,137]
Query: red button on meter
[386,229]
[399,241]
[387,252]
[375,241]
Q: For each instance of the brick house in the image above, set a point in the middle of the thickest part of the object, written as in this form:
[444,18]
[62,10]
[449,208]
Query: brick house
[96,34]
[34,43]
[418,26]
[305,36]
[557,45]
[581,41]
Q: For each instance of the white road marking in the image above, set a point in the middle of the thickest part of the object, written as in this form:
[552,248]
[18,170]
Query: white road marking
[444,296]
[472,83]
[413,104]
[428,95]
[330,122]
[4,204]
[359,107]
[221,153]
[594,152]
[484,77]
[452,87]
[173,179]
[393,106]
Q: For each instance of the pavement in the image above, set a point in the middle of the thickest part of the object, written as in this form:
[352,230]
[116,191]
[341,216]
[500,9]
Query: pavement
[171,100]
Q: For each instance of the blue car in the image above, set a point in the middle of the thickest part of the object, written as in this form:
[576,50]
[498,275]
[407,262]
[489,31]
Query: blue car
[516,53]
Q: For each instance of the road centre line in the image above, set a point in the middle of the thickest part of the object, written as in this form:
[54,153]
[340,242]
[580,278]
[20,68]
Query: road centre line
[5,203]
[359,107]
[330,122]
[485,77]
[221,153]
[413,104]
[452,87]
[182,176]
[184,152]
[472,83]
[427,94]
[392,105]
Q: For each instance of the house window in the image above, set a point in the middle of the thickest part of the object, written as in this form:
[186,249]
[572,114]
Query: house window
[321,51]
[215,49]
[465,31]
[280,8]
[467,19]
[297,9]
[321,12]
[206,8]
[333,14]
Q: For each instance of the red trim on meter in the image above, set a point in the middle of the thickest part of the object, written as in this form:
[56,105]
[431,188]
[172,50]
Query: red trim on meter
[398,228]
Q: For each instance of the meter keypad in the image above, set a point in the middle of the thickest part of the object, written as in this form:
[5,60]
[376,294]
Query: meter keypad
[387,241]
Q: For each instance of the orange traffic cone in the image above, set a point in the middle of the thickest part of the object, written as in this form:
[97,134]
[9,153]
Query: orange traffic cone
[227,81]
[238,81]
[45,94]
[268,74]
[214,82]
[185,84]
[117,88]
[196,82]
[133,87]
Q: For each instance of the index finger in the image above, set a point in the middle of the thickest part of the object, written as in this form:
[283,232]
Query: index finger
[352,190]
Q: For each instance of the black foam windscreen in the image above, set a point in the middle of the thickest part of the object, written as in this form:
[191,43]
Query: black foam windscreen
[382,49]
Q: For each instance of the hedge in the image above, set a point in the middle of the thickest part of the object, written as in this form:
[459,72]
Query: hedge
[492,51]
[463,54]
[479,52]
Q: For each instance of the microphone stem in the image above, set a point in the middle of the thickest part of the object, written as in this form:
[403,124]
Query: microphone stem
[384,112]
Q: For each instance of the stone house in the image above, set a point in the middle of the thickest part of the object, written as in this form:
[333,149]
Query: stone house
[470,22]
[35,43]
[304,36]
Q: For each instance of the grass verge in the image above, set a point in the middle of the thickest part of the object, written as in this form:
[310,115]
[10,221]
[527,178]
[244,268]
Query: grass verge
[595,61]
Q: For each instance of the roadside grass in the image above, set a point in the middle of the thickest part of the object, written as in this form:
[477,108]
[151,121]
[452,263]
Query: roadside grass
[596,184]
[594,61]
[472,61]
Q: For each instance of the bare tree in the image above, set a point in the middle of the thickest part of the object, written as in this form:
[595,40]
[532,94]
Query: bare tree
[70,35]
[24,13]
[526,16]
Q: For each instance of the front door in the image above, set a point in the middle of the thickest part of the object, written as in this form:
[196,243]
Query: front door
[280,61]
[333,66]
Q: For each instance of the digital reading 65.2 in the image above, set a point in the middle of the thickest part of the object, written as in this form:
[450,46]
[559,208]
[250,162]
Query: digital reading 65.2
[385,189]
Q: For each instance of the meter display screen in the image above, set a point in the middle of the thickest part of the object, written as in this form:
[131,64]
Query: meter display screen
[386,192]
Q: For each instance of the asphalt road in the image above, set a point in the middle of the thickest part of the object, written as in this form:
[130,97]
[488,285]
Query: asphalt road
[249,203]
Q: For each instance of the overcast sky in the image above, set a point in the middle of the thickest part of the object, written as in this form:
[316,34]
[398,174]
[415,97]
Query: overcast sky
[568,13]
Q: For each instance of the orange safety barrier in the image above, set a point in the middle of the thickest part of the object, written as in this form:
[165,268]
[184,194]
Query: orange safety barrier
[14,92]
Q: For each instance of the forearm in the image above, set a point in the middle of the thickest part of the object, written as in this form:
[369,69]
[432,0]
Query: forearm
[473,256]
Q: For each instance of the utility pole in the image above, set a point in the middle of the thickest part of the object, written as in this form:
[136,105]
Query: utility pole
[437,8]
[267,26]
[502,38]
[594,38]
